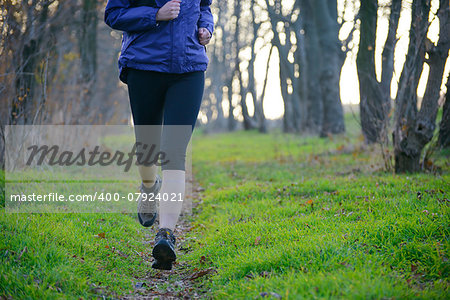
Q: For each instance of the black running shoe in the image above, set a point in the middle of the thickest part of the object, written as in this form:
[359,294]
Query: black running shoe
[164,250]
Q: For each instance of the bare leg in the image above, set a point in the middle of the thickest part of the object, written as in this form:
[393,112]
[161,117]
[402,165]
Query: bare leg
[148,175]
[173,188]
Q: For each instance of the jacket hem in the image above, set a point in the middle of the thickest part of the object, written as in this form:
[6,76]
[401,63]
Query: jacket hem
[160,67]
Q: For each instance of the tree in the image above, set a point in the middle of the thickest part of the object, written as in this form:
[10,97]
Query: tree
[414,127]
[312,99]
[251,87]
[88,54]
[311,71]
[375,100]
[48,67]
[323,67]
[444,127]
[289,90]
[30,34]
[325,16]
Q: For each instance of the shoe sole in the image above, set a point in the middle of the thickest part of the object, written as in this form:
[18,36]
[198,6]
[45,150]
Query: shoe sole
[164,256]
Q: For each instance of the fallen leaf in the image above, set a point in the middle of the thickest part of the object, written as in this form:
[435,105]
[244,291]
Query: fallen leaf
[101,235]
[257,240]
[201,273]
[202,259]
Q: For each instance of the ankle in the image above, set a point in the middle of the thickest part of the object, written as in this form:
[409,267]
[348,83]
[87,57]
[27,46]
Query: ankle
[148,183]
[163,226]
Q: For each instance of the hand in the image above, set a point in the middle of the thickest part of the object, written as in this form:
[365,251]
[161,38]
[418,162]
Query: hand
[169,11]
[204,36]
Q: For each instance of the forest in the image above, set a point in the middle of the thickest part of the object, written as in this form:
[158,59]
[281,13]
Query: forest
[319,166]
[58,66]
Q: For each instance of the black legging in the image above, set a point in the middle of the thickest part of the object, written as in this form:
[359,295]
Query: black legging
[158,98]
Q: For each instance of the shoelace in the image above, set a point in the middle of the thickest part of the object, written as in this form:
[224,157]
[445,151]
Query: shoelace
[148,207]
[165,233]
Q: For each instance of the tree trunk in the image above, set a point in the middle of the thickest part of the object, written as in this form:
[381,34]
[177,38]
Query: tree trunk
[258,110]
[262,127]
[288,116]
[25,106]
[231,119]
[407,158]
[88,55]
[251,86]
[387,55]
[216,74]
[414,129]
[444,127]
[300,59]
[311,73]
[235,68]
[248,121]
[220,72]
[25,84]
[328,30]
[288,80]
[373,106]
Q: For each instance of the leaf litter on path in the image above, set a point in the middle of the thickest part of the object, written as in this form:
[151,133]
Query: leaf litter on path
[181,281]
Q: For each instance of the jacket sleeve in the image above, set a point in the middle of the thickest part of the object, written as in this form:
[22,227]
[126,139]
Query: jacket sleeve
[120,15]
[206,19]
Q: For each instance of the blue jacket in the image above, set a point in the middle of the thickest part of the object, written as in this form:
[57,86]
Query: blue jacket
[163,46]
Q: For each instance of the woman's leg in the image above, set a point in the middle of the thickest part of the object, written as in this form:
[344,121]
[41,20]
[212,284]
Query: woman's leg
[147,90]
[147,94]
[183,99]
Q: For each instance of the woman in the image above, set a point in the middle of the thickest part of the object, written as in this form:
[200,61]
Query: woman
[163,60]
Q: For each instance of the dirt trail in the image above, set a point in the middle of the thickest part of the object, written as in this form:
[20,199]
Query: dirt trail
[181,281]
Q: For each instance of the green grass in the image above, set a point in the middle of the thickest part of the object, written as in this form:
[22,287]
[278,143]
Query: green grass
[64,256]
[313,218]
[68,255]
[287,215]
